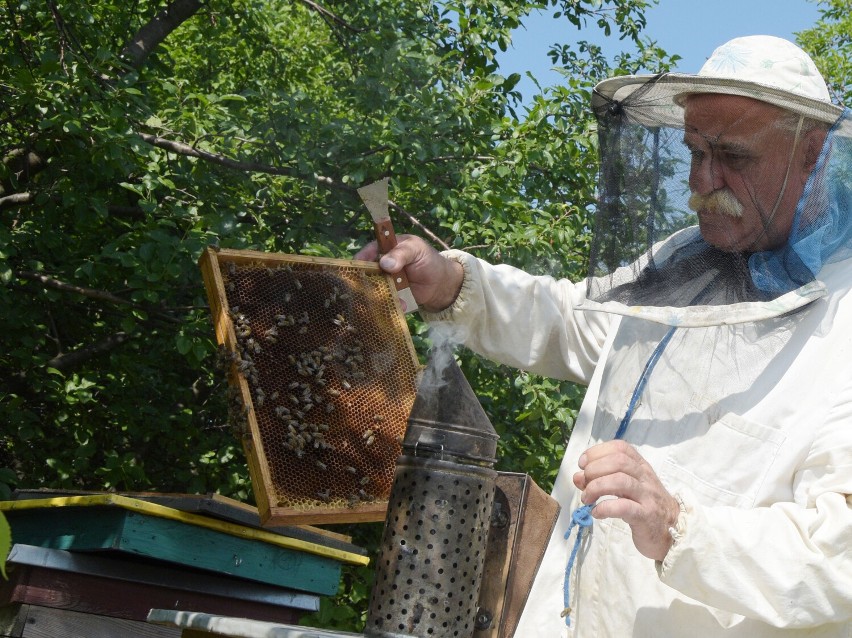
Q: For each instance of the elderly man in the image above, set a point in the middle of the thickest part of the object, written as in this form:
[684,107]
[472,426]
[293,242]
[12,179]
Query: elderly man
[706,485]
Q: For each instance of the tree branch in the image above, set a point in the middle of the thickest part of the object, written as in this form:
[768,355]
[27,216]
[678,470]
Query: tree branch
[185,149]
[15,199]
[23,164]
[91,293]
[325,13]
[158,29]
[393,205]
[78,356]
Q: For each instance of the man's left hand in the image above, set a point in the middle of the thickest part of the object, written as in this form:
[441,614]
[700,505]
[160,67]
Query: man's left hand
[615,468]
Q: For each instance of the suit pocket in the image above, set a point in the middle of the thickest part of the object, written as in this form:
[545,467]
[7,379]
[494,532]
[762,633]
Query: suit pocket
[728,464]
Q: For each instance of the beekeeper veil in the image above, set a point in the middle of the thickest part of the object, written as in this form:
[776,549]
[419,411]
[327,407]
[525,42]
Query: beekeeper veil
[721,194]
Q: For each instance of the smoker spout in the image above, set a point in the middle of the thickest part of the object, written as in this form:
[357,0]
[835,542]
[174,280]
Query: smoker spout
[447,419]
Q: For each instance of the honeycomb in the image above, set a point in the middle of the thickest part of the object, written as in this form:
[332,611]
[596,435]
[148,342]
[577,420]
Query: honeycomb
[325,370]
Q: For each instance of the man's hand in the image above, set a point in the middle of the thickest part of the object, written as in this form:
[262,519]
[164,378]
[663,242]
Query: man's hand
[435,281]
[616,469]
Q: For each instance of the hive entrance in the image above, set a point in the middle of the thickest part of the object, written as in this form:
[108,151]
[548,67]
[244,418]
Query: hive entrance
[323,371]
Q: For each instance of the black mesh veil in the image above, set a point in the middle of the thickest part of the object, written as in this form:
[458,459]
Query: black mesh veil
[653,255]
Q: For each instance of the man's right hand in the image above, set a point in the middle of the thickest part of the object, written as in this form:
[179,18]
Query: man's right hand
[435,281]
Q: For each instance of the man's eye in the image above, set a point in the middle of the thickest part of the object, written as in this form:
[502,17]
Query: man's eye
[735,161]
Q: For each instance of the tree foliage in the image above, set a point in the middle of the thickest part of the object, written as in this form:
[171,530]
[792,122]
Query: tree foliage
[829,42]
[134,134]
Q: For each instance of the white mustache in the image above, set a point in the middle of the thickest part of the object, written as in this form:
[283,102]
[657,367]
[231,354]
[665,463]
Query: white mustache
[721,201]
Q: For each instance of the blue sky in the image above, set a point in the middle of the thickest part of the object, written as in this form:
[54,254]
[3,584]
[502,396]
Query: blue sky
[690,28]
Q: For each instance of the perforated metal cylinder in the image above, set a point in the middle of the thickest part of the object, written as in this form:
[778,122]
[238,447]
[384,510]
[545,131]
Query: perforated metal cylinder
[433,550]
[429,568]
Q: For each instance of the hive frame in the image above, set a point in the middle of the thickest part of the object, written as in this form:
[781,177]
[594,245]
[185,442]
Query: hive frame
[360,448]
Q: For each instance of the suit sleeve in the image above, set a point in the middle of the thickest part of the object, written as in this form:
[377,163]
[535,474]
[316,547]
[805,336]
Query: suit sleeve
[524,321]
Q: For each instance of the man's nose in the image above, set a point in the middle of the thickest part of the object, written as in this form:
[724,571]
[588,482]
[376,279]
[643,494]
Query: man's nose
[707,176]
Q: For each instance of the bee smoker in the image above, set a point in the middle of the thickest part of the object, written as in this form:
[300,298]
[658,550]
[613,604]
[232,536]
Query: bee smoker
[430,562]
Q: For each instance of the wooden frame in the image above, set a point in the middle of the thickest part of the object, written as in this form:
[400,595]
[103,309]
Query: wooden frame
[308,499]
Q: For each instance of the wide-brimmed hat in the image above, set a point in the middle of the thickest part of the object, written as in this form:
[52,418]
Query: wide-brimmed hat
[762,67]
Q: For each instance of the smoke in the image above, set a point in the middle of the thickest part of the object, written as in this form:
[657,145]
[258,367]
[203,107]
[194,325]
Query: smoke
[444,338]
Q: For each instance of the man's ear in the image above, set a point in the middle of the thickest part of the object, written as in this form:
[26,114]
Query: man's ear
[813,141]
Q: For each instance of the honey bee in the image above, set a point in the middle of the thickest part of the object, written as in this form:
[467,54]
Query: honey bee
[253,346]
[370,440]
[322,466]
[350,469]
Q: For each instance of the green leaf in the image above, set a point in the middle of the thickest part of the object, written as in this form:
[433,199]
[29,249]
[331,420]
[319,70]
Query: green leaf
[184,344]
[5,544]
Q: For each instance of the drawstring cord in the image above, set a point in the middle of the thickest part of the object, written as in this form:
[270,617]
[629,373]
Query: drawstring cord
[581,518]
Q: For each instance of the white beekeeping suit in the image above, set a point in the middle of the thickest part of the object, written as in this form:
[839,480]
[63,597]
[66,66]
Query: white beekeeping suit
[745,414]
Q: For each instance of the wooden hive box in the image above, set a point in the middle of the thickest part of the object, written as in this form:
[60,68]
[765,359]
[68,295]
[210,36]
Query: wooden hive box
[132,528]
[94,564]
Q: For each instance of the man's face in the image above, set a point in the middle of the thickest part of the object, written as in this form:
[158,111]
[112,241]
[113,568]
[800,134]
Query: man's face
[740,145]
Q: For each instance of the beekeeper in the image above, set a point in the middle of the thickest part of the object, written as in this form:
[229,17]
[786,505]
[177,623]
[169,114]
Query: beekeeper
[707,484]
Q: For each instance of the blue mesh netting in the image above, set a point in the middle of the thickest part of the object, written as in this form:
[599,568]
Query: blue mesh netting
[822,228]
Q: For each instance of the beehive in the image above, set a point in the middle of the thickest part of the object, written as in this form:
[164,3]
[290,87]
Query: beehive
[322,373]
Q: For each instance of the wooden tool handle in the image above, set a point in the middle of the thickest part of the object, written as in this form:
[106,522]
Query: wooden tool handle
[386,239]
[385,236]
